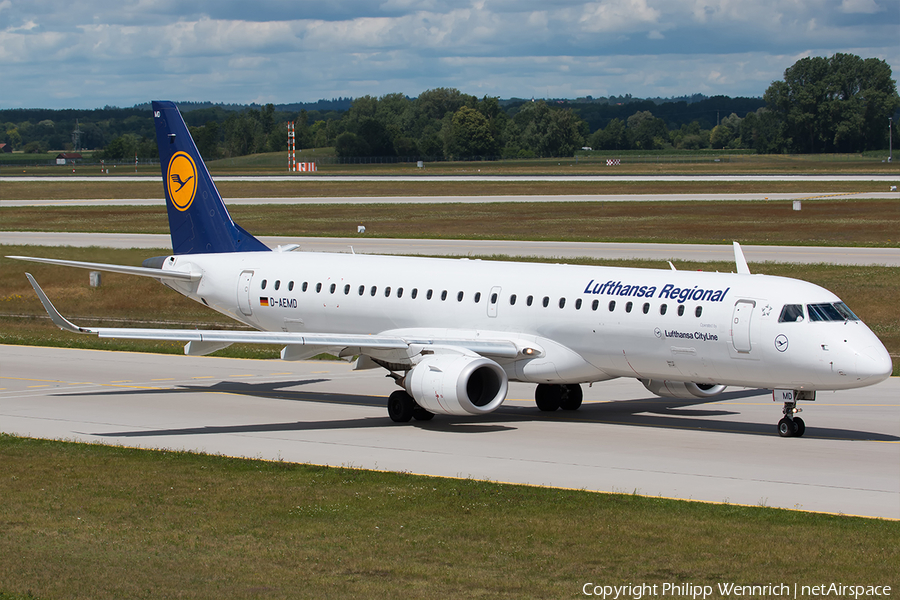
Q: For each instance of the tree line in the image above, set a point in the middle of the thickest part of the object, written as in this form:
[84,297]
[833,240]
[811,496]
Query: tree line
[837,104]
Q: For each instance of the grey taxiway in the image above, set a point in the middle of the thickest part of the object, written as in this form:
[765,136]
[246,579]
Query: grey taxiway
[623,439]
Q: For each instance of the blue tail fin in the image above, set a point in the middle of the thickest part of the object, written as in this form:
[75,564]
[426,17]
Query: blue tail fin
[198,219]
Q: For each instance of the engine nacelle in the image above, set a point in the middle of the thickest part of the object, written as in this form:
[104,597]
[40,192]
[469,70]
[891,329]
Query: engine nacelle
[680,389]
[457,384]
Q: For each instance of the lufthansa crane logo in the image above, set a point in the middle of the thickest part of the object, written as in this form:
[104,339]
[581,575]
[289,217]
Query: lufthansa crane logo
[181,180]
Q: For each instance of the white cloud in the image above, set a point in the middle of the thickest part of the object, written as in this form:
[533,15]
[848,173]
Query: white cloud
[618,16]
[868,7]
[229,50]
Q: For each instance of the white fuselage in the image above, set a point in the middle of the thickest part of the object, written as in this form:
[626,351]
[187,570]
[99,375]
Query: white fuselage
[592,323]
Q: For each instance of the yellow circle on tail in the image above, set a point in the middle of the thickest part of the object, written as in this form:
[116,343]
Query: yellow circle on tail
[181,180]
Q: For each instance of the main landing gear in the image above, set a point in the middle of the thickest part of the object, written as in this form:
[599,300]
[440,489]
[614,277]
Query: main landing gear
[789,425]
[549,396]
[401,408]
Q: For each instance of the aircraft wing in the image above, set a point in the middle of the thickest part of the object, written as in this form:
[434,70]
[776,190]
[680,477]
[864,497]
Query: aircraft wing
[211,337]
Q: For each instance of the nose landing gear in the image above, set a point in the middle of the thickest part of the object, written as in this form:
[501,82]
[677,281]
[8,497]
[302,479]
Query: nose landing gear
[791,425]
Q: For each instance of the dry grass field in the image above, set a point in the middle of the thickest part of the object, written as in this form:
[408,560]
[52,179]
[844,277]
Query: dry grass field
[830,221]
[57,188]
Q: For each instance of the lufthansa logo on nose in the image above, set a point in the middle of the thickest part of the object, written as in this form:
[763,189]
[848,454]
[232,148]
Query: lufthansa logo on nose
[181,180]
[781,342]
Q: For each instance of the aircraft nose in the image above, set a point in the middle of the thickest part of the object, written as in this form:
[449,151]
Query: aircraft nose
[874,364]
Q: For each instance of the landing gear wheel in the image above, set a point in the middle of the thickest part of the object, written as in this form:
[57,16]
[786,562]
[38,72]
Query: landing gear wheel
[401,407]
[547,396]
[800,425]
[420,414]
[571,397]
[787,428]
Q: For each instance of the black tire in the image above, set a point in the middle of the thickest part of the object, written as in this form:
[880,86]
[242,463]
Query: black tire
[571,397]
[548,396]
[400,407]
[420,414]
[786,428]
[800,425]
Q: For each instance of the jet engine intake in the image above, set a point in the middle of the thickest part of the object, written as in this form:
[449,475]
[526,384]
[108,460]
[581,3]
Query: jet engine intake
[680,389]
[457,384]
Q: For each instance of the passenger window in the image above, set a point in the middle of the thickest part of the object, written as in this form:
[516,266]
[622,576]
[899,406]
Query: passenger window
[387,292]
[477,297]
[680,309]
[512,300]
[373,290]
[428,294]
[347,289]
[291,286]
[362,290]
[529,300]
[459,297]
[546,301]
[399,292]
[263,285]
[414,293]
[791,313]
[305,286]
[562,302]
[318,287]
[595,305]
[277,283]
[612,305]
[333,287]
[494,298]
[444,295]
[578,304]
[646,307]
[698,311]
[662,309]
[628,306]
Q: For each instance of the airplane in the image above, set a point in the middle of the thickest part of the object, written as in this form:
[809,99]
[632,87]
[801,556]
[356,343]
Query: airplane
[453,333]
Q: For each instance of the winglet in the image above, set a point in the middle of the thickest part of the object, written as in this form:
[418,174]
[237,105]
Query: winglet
[739,260]
[60,321]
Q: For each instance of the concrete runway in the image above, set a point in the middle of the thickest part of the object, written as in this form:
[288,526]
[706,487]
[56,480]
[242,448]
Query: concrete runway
[753,197]
[723,449]
[473,175]
[560,250]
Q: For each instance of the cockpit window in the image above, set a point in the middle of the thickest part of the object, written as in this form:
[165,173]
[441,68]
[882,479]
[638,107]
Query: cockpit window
[837,311]
[791,313]
[845,310]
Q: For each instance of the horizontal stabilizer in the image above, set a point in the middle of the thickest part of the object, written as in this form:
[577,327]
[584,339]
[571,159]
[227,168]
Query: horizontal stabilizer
[127,270]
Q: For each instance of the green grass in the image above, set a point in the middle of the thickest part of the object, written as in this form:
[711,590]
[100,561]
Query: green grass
[88,521]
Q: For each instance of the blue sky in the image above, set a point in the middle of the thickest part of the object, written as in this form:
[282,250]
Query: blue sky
[88,54]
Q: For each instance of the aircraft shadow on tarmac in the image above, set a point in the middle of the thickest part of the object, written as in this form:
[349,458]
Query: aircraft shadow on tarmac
[654,412]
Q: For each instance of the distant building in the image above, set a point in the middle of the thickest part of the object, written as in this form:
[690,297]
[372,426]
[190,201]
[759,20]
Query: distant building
[64,157]
[5,148]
